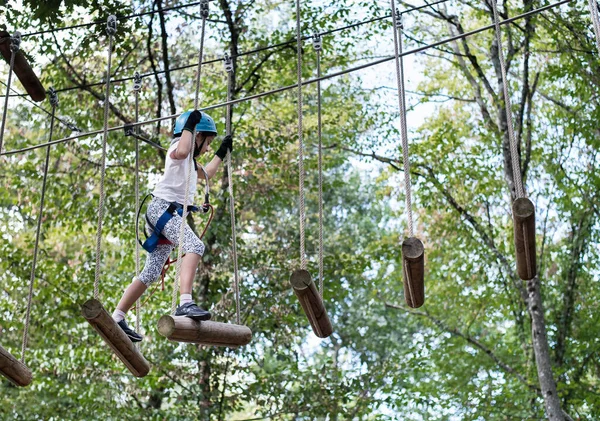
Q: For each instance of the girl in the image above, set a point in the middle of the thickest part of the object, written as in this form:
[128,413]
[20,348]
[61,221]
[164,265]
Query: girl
[169,195]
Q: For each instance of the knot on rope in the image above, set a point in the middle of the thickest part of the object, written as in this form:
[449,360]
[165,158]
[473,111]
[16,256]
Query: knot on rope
[228,63]
[204,8]
[137,81]
[53,97]
[317,42]
[15,42]
[111,25]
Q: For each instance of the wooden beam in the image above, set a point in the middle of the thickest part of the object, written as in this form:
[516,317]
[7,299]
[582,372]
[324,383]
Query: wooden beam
[413,258]
[22,69]
[524,223]
[114,336]
[13,369]
[184,329]
[311,303]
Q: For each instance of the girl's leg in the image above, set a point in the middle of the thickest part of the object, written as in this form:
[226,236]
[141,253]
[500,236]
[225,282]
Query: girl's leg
[194,249]
[152,269]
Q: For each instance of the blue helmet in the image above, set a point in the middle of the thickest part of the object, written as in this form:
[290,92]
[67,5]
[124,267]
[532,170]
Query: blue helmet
[206,124]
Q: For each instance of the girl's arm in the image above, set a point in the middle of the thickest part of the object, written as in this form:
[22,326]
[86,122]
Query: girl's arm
[211,168]
[184,146]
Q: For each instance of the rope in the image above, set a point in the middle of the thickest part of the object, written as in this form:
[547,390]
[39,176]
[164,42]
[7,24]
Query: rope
[318,46]
[54,102]
[398,27]
[204,14]
[306,82]
[300,140]
[516,165]
[236,279]
[15,42]
[595,21]
[137,85]
[111,30]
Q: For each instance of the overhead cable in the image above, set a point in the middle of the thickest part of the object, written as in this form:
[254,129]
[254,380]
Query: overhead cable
[306,82]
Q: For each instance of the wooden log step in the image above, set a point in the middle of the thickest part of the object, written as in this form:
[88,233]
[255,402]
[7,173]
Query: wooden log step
[22,69]
[114,336]
[13,369]
[524,223]
[311,302]
[184,329]
[413,261]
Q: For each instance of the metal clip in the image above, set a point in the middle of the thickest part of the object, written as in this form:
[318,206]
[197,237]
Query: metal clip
[15,42]
[317,42]
[111,25]
[204,8]
[137,81]
[228,63]
[53,96]
[129,129]
[399,22]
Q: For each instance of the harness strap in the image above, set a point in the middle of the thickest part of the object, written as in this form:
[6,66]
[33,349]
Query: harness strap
[157,237]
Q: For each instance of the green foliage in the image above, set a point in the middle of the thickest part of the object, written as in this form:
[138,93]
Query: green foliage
[465,355]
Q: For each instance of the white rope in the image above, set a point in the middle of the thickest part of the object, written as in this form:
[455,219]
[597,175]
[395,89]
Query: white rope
[397,21]
[236,277]
[318,46]
[300,140]
[593,6]
[111,29]
[516,165]
[204,13]
[54,102]
[15,42]
[137,85]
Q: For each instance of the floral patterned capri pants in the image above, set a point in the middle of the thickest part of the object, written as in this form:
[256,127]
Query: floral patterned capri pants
[156,260]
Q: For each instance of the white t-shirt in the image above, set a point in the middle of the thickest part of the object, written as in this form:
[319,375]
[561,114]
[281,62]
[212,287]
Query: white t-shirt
[171,186]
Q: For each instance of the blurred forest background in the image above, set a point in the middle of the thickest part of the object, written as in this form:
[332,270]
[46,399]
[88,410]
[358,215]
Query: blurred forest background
[467,354]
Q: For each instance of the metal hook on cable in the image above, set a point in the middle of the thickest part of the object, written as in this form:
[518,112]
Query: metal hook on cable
[111,25]
[204,8]
[228,63]
[53,96]
[317,42]
[15,42]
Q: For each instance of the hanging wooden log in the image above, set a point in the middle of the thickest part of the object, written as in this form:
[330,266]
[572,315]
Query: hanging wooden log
[114,336]
[524,223]
[22,69]
[413,258]
[13,369]
[311,302]
[184,329]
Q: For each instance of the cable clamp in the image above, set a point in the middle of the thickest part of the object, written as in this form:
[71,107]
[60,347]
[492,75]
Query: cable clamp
[137,81]
[111,25]
[15,42]
[129,129]
[228,63]
[53,96]
[399,21]
[204,8]
[317,42]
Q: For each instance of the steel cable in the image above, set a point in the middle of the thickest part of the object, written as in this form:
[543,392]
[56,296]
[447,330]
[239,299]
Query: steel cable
[54,102]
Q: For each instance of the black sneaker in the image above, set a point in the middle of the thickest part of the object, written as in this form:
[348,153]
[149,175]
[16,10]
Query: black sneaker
[192,311]
[131,334]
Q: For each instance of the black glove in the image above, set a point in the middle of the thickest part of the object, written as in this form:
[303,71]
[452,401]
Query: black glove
[192,121]
[226,144]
